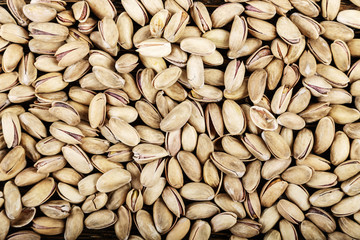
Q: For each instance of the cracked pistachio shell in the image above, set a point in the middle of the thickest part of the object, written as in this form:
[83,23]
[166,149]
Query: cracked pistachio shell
[77,158]
[181,113]
[322,219]
[145,153]
[145,225]
[57,209]
[279,48]
[158,22]
[65,112]
[176,26]
[347,169]
[71,53]
[307,26]
[288,31]
[11,129]
[262,118]
[321,50]
[317,85]
[259,59]
[185,4]
[341,54]
[349,227]
[290,211]
[274,70]
[303,144]
[48,226]
[234,75]
[48,32]
[66,133]
[173,201]
[39,193]
[315,112]
[97,110]
[223,221]
[260,10]
[134,200]
[256,85]
[12,163]
[261,29]
[108,77]
[333,76]
[126,30]
[271,191]
[246,228]
[180,229]
[330,9]
[81,11]
[200,230]
[108,31]
[308,7]
[201,16]
[351,186]
[276,144]
[225,13]
[256,146]
[16,8]
[152,172]
[228,164]
[249,47]
[295,51]
[65,18]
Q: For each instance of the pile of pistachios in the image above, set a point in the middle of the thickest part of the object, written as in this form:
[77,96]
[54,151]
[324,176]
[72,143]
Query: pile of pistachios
[180,120]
